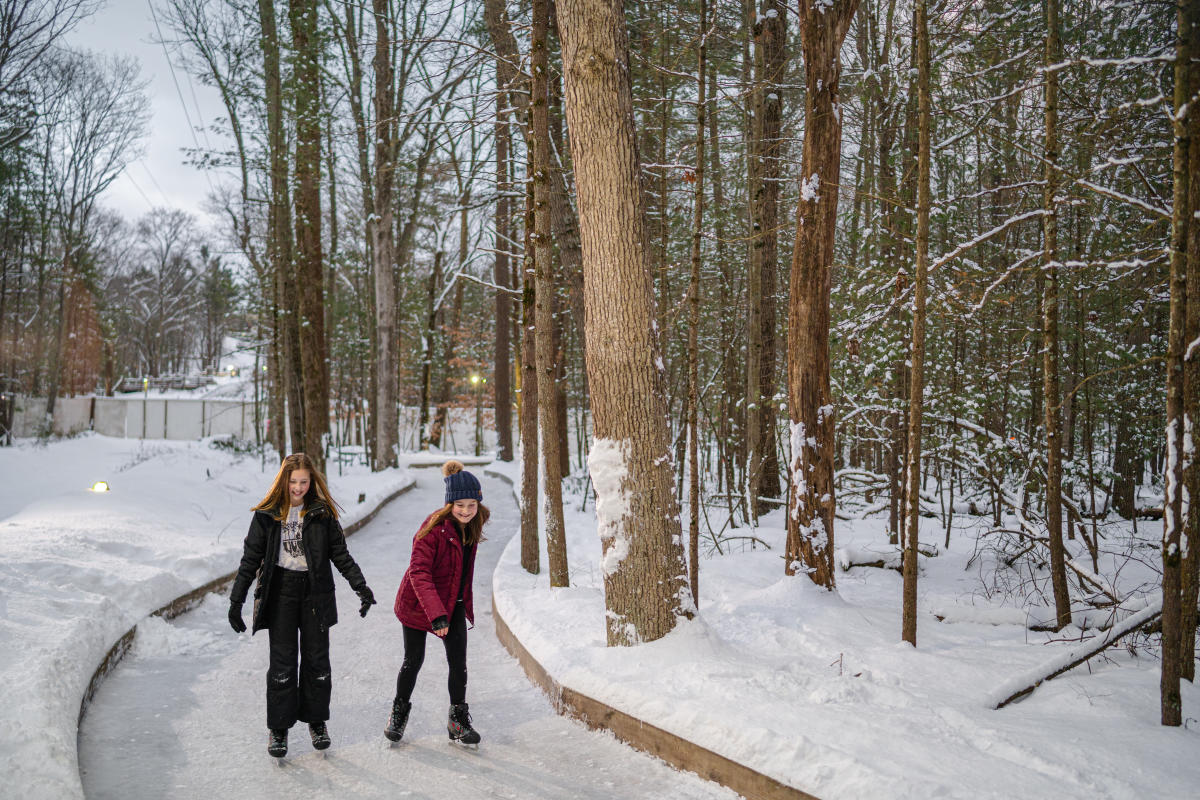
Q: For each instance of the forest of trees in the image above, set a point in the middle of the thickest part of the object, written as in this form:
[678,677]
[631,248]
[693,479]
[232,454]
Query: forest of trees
[913,254]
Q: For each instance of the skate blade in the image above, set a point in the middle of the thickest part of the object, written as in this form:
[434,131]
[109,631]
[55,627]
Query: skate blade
[473,746]
[280,760]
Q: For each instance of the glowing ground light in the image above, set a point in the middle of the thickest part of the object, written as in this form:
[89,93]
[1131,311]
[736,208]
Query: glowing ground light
[100,486]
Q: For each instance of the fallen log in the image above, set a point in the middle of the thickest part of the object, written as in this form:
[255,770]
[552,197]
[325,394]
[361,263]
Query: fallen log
[1023,685]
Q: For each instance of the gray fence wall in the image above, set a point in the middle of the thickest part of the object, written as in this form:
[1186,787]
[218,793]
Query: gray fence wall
[137,417]
[183,418]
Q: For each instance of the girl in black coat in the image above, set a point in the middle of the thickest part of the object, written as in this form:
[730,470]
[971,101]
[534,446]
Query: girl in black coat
[293,538]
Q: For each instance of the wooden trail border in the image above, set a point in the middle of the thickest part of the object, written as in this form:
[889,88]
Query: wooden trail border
[675,750]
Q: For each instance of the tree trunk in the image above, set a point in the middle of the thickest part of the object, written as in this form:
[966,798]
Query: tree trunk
[645,577]
[810,405]
[1190,564]
[1051,404]
[382,231]
[754,277]
[773,61]
[530,551]
[424,435]
[547,384]
[693,429]
[285,336]
[912,515]
[1172,706]
[310,275]
[502,276]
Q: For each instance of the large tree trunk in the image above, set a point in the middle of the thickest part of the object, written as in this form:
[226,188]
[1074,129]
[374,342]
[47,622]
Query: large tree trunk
[1051,404]
[547,384]
[1190,565]
[310,275]
[638,516]
[1172,706]
[810,405]
[382,228]
[912,515]
[285,334]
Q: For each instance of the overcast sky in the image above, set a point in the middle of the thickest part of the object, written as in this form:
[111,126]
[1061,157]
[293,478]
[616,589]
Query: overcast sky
[160,177]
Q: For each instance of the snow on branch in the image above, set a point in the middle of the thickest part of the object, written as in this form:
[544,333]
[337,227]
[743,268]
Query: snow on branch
[1022,685]
[1112,194]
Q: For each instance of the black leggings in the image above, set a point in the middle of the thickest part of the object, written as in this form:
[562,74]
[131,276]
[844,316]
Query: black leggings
[455,641]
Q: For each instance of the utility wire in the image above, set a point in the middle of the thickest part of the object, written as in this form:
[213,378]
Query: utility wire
[179,91]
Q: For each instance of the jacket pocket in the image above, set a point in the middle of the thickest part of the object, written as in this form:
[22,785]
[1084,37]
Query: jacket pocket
[323,606]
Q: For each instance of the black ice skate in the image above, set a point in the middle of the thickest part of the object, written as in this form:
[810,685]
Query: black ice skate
[320,735]
[459,726]
[277,743]
[398,719]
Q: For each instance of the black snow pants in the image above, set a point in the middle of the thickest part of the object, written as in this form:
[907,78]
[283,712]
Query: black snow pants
[455,641]
[291,697]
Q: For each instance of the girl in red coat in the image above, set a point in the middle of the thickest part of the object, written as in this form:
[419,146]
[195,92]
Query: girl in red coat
[435,597]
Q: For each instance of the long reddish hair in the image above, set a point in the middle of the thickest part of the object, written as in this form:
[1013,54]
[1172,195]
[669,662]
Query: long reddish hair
[472,534]
[276,502]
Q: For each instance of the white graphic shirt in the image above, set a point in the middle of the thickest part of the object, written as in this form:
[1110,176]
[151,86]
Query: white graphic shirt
[291,546]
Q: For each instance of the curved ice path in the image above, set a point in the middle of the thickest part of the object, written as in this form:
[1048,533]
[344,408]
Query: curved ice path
[183,716]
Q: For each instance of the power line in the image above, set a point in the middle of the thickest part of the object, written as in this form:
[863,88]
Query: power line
[179,91]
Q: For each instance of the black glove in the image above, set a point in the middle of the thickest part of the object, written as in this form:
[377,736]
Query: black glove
[368,600]
[235,617]
[441,623]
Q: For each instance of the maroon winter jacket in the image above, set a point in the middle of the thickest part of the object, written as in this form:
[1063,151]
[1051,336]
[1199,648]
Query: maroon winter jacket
[430,586]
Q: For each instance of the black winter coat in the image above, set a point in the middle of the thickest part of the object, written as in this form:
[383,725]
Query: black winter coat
[323,542]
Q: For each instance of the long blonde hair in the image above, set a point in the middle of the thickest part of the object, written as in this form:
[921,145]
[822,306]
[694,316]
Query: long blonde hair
[276,502]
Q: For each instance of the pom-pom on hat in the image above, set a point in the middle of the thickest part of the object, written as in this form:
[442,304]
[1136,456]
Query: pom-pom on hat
[460,484]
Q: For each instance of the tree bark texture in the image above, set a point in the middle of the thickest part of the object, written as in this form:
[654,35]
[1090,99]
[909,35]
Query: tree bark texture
[310,275]
[502,276]
[528,410]
[547,384]
[912,515]
[1051,404]
[382,230]
[810,405]
[694,319]
[1190,538]
[770,64]
[644,572]
[284,369]
[1172,555]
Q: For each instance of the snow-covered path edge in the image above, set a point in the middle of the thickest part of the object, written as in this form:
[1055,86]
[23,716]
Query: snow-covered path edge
[671,748]
[189,600]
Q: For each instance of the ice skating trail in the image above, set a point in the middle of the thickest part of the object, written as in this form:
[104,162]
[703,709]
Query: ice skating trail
[183,716]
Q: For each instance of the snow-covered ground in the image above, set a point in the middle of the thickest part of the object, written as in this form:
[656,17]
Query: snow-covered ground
[816,690]
[811,688]
[80,568]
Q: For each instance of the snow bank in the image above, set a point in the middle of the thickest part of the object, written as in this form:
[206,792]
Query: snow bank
[817,691]
[78,569]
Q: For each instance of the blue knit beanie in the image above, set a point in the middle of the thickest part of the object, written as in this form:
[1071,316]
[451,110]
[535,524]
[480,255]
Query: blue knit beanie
[460,484]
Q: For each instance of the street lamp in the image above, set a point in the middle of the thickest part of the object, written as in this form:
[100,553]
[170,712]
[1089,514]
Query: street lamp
[477,382]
